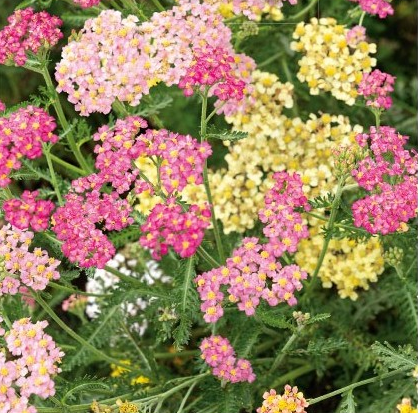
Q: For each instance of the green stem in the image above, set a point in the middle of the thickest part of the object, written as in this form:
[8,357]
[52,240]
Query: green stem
[203,128]
[158,5]
[63,120]
[303,11]
[271,59]
[360,23]
[287,378]
[207,257]
[317,216]
[54,182]
[119,108]
[280,357]
[74,291]
[74,335]
[330,226]
[186,396]
[358,384]
[65,164]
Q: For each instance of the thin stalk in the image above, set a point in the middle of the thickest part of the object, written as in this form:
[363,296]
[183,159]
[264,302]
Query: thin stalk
[271,59]
[65,164]
[158,5]
[280,357]
[360,23]
[304,11]
[74,291]
[52,172]
[203,128]
[186,396]
[74,335]
[327,240]
[137,348]
[358,384]
[63,120]
[292,375]
[207,257]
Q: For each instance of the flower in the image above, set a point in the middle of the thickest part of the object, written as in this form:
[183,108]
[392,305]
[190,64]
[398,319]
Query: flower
[388,171]
[381,8]
[28,31]
[28,211]
[28,365]
[21,135]
[405,406]
[329,62]
[20,266]
[290,401]
[375,87]
[218,353]
[85,4]
[2,106]
[169,225]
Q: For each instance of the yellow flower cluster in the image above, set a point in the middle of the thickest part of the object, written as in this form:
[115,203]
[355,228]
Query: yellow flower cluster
[227,9]
[406,407]
[118,371]
[348,265]
[329,63]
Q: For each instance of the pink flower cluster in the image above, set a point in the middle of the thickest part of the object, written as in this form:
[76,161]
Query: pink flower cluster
[28,31]
[356,35]
[20,267]
[28,366]
[219,354]
[75,224]
[375,87]
[73,301]
[389,172]
[376,7]
[284,227]
[291,401]
[28,211]
[117,58]
[169,225]
[22,134]
[2,106]
[248,273]
[213,67]
[85,4]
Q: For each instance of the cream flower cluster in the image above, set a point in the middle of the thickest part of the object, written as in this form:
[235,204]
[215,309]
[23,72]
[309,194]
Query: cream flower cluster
[348,265]
[329,63]
[257,11]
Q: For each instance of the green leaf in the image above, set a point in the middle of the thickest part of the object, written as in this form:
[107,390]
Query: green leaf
[24,4]
[318,318]
[348,404]
[394,359]
[225,135]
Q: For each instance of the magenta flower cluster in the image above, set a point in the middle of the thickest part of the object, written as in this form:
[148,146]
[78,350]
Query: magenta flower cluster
[21,135]
[76,222]
[19,266]
[213,67]
[389,173]
[27,366]
[85,4]
[28,212]
[380,8]
[252,274]
[283,226]
[169,225]
[28,31]
[218,353]
[117,58]
[375,87]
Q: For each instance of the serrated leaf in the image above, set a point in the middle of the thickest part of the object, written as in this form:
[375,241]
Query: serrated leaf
[393,359]
[348,404]
[318,318]
[225,135]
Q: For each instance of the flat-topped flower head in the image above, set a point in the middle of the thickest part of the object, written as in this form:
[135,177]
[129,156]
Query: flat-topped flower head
[381,8]
[291,401]
[28,31]
[28,365]
[218,353]
[375,87]
[20,267]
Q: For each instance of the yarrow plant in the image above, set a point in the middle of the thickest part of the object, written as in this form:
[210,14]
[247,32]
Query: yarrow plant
[208,210]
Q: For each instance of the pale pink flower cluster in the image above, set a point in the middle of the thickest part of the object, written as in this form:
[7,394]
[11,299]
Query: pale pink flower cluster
[117,58]
[22,134]
[75,224]
[375,87]
[2,106]
[291,401]
[389,173]
[73,301]
[356,35]
[220,355]
[22,267]
[28,31]
[28,212]
[169,225]
[27,366]
[252,274]
[85,4]
[381,8]
[283,226]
